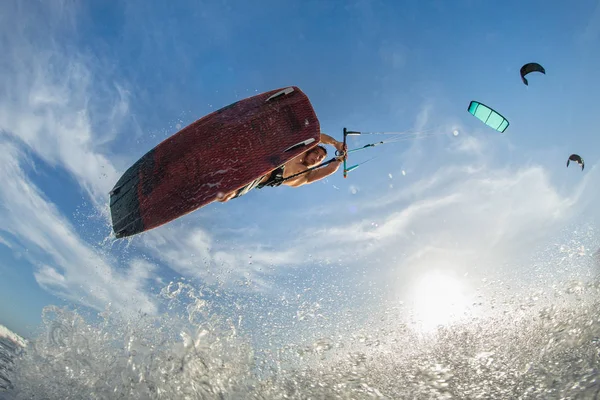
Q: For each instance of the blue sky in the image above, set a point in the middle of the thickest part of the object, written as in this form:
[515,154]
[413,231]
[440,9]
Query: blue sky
[86,88]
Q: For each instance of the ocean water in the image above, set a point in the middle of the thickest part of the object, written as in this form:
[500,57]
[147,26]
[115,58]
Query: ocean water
[9,350]
[542,343]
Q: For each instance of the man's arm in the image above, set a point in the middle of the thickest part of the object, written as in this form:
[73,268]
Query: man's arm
[326,139]
[317,174]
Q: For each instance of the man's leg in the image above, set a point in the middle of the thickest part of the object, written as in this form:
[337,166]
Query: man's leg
[240,192]
[226,197]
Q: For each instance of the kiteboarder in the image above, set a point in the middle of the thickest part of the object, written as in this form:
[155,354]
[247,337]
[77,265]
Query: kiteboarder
[298,171]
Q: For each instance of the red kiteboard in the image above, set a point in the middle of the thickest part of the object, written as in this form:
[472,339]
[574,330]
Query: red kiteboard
[219,153]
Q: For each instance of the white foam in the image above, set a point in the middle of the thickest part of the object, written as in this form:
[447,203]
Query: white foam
[7,333]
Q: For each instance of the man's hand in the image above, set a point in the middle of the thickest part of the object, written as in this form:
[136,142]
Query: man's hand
[339,146]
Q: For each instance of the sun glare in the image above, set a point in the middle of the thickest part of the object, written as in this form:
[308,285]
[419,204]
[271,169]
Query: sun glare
[438,299]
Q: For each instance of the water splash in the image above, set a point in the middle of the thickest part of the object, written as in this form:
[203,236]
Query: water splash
[542,344]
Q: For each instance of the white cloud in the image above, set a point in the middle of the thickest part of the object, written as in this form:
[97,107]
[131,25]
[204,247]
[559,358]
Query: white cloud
[52,99]
[469,145]
[194,253]
[423,117]
[47,276]
[485,210]
[5,242]
[74,269]
[52,103]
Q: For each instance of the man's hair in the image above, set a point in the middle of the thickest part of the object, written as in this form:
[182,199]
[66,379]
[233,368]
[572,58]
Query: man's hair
[318,147]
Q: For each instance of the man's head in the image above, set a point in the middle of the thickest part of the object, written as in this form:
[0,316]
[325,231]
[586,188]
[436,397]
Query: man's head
[315,156]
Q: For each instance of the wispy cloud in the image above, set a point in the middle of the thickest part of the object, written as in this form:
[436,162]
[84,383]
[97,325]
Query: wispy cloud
[73,269]
[5,242]
[487,209]
[58,104]
[192,252]
[52,106]
[52,100]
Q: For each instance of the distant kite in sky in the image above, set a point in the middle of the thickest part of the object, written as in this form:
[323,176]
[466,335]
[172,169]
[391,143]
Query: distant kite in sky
[531,67]
[576,158]
[488,116]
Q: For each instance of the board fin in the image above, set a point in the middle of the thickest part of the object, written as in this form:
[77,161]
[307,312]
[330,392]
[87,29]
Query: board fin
[299,144]
[281,93]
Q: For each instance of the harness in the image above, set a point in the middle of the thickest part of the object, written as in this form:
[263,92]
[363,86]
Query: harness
[275,179]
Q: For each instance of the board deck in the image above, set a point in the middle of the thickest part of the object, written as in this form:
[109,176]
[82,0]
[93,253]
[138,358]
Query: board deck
[219,153]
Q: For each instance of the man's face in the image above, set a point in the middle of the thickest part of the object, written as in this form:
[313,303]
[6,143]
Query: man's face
[314,157]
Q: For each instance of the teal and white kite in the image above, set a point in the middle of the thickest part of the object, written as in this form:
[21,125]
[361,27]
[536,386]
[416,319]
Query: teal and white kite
[489,116]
